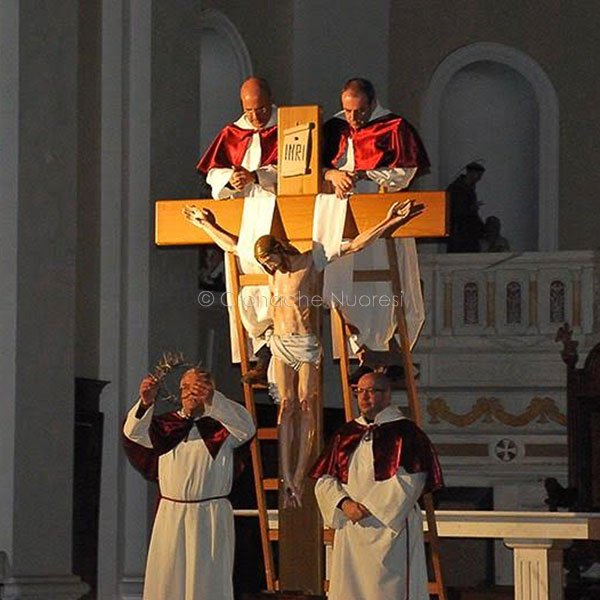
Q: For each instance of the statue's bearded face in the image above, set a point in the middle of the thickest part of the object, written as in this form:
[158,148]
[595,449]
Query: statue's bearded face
[357,108]
[271,261]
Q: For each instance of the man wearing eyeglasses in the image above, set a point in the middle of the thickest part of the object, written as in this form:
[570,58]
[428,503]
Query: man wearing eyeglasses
[244,153]
[369,480]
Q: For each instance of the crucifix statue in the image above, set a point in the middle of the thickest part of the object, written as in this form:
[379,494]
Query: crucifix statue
[295,340]
[284,251]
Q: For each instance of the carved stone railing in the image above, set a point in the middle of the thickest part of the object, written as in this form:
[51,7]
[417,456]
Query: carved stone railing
[508,294]
[492,383]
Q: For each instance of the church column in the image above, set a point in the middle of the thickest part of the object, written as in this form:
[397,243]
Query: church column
[9,191]
[125,238]
[150,132]
[38,185]
[538,566]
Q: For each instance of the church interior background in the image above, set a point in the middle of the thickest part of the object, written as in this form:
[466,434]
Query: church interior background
[105,105]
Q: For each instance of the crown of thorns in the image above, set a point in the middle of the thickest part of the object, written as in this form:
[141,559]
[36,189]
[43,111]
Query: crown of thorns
[168,371]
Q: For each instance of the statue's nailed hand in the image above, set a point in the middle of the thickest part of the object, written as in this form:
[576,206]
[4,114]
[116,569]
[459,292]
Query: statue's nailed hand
[198,216]
[404,211]
[399,210]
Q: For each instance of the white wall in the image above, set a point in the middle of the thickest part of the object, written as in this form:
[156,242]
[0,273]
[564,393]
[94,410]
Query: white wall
[334,41]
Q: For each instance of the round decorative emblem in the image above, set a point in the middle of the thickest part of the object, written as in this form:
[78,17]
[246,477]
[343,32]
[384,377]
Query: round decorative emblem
[506,450]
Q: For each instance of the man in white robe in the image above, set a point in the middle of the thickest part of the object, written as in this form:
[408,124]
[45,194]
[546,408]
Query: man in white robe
[243,156]
[369,480]
[190,453]
[241,162]
[368,148]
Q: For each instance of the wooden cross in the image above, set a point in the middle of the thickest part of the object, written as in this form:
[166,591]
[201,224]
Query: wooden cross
[300,530]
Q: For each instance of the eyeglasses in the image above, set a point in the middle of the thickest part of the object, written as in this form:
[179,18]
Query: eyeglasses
[370,391]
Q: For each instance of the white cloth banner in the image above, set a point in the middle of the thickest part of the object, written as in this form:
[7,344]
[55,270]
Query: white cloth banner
[329,218]
[257,217]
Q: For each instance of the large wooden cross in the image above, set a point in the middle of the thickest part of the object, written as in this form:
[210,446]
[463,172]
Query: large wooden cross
[300,538]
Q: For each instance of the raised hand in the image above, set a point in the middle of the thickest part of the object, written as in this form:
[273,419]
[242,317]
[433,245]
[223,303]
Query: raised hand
[148,390]
[400,210]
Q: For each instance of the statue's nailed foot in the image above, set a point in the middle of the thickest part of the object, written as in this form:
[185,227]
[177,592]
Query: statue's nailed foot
[299,485]
[292,497]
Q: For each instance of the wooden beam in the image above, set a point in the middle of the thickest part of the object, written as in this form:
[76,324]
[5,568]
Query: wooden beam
[294,215]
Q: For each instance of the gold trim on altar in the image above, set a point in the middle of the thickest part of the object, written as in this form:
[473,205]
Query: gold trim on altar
[489,410]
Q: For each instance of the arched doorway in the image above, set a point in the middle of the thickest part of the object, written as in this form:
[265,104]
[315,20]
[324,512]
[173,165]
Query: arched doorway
[494,102]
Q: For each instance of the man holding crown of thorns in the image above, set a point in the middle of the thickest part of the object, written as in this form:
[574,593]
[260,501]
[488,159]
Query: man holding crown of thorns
[189,452]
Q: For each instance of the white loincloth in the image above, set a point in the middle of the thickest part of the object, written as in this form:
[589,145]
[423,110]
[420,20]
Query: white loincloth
[295,349]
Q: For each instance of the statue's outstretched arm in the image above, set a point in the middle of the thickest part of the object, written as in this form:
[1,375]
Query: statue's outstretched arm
[398,213]
[205,220]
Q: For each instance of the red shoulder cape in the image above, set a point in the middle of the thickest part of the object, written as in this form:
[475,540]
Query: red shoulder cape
[229,147]
[166,431]
[396,444]
[389,141]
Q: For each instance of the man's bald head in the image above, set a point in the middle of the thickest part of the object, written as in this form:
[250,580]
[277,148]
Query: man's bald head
[255,96]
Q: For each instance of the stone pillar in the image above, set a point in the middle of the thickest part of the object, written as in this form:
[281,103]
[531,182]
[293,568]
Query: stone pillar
[538,569]
[38,184]
[149,133]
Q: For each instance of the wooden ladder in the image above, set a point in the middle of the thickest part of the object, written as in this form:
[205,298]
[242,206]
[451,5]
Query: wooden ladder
[262,484]
[340,328]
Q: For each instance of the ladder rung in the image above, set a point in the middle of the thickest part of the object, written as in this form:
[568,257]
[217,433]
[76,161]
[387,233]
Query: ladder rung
[271,484]
[254,279]
[372,275]
[267,433]
[433,587]
[259,386]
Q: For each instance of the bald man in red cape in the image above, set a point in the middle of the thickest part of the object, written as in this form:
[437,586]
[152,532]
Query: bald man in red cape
[244,154]
[369,480]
